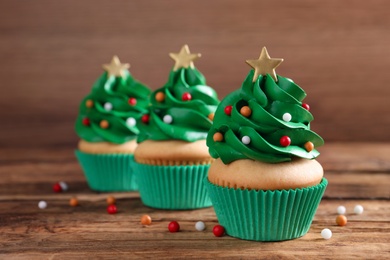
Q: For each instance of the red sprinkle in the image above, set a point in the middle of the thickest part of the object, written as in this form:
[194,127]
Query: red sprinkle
[306,106]
[285,141]
[145,119]
[228,110]
[86,121]
[111,209]
[186,96]
[173,226]
[132,101]
[57,187]
[218,230]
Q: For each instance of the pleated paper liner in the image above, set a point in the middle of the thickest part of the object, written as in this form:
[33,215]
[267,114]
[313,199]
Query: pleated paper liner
[172,187]
[266,215]
[108,172]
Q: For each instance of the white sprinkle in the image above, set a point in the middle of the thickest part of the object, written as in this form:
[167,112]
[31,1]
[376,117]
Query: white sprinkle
[167,119]
[287,117]
[107,106]
[63,185]
[200,226]
[326,233]
[42,204]
[246,139]
[131,121]
[358,209]
[341,210]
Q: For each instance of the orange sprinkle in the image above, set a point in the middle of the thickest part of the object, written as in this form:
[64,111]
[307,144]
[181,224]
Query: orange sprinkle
[341,220]
[309,146]
[211,116]
[146,220]
[89,103]
[160,96]
[218,137]
[73,202]
[104,124]
[110,200]
[246,111]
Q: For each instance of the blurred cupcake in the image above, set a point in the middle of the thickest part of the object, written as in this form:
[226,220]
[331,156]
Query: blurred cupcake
[265,184]
[107,126]
[172,159]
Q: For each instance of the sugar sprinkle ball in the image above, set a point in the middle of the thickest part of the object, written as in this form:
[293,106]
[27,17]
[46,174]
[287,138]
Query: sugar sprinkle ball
[173,226]
[57,188]
[73,202]
[64,185]
[111,200]
[358,209]
[146,220]
[218,230]
[341,210]
[111,209]
[341,220]
[326,233]
[200,226]
[42,204]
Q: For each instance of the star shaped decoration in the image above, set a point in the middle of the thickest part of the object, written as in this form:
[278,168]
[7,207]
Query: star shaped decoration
[116,68]
[184,59]
[264,65]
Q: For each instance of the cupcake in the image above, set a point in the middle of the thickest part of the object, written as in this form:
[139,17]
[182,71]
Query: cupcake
[172,159]
[107,127]
[265,183]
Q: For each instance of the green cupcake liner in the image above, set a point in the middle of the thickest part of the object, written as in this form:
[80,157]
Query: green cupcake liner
[108,172]
[266,215]
[172,187]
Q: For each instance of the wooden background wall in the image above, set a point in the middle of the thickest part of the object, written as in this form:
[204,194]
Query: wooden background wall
[51,52]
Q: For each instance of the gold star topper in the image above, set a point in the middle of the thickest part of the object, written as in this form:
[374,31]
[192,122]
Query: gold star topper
[116,68]
[184,58]
[264,65]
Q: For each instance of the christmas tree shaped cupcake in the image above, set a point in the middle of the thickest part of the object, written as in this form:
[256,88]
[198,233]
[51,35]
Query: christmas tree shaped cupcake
[172,158]
[265,184]
[107,125]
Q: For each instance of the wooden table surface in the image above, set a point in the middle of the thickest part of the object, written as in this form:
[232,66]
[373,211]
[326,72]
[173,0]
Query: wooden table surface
[358,173]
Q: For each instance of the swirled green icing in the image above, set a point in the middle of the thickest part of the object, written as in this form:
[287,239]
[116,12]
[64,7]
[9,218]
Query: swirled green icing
[117,91]
[190,118]
[268,101]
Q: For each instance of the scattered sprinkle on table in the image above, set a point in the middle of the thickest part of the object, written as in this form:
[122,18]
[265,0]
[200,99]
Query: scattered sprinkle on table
[358,209]
[218,230]
[111,200]
[64,185]
[42,204]
[57,187]
[341,220]
[200,226]
[341,210]
[326,233]
[73,202]
[173,226]
[111,209]
[146,220]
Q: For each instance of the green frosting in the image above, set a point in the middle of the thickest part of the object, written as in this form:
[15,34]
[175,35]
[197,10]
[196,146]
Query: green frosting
[123,118]
[190,118]
[268,101]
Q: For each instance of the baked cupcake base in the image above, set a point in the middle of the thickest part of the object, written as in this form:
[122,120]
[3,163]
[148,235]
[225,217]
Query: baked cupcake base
[265,215]
[172,187]
[107,172]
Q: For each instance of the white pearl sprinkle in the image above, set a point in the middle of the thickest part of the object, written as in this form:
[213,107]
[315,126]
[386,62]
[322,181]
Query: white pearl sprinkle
[42,204]
[287,117]
[167,119]
[131,121]
[326,233]
[246,139]
[107,106]
[63,185]
[200,226]
[341,210]
[358,209]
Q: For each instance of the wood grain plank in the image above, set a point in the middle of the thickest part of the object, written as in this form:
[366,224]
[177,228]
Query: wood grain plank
[61,230]
[52,53]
